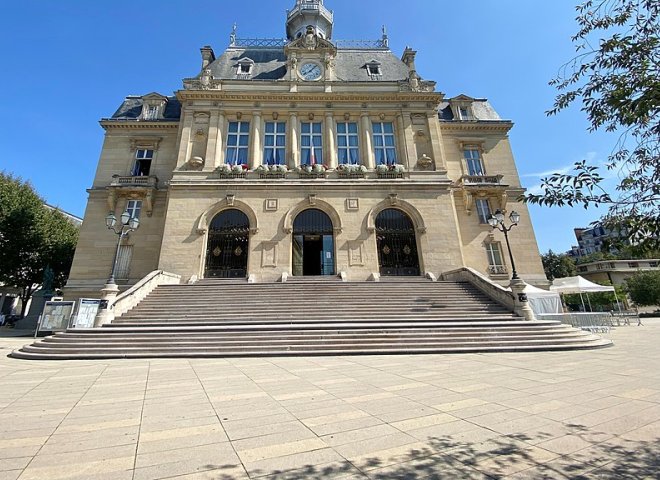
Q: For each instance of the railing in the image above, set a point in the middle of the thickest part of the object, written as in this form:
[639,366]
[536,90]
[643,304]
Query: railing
[309,6]
[592,322]
[488,180]
[361,43]
[497,270]
[142,181]
[281,43]
[483,283]
[134,295]
[259,42]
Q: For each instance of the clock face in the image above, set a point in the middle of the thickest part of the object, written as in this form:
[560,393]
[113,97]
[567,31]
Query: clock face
[310,71]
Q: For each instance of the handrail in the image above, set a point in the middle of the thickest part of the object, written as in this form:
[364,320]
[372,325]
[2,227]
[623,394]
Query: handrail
[134,295]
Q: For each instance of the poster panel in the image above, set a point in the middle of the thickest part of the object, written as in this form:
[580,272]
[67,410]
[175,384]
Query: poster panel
[87,310]
[56,316]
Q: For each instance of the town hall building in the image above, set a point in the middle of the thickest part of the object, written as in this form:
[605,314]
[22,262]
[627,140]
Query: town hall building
[304,157]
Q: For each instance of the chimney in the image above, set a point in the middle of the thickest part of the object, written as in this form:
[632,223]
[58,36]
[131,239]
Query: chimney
[207,56]
[408,58]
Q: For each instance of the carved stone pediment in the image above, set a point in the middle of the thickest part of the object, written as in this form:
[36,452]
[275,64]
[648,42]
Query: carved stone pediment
[310,41]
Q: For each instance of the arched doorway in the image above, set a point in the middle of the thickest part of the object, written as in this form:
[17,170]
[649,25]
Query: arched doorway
[397,245]
[227,246]
[313,244]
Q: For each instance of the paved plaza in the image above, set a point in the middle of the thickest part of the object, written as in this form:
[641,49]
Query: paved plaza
[590,414]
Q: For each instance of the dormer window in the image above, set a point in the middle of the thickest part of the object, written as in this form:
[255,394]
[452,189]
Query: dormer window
[153,106]
[373,70]
[244,68]
[465,113]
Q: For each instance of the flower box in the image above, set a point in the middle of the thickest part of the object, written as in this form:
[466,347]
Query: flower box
[390,171]
[351,171]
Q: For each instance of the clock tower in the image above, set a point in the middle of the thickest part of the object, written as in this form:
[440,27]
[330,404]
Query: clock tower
[309,14]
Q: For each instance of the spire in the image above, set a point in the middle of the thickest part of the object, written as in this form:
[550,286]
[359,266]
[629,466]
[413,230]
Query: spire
[309,13]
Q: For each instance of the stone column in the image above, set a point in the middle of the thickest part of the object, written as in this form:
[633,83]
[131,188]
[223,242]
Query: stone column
[294,143]
[521,303]
[331,141]
[402,140]
[409,140]
[367,144]
[185,144]
[256,153]
[212,142]
[436,142]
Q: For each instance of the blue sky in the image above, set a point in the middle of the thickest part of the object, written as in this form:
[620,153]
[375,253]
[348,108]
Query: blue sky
[66,64]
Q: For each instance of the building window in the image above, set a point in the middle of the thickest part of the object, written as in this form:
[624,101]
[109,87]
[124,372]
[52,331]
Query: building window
[275,143]
[142,166]
[134,207]
[244,68]
[465,113]
[373,70]
[123,262]
[348,147]
[384,146]
[238,143]
[311,142]
[473,161]
[483,210]
[495,264]
[150,112]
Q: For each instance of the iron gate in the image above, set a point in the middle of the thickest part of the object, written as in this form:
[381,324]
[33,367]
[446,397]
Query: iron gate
[397,244]
[228,243]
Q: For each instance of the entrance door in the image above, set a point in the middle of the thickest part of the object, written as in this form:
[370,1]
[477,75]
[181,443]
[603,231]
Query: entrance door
[228,243]
[313,244]
[397,245]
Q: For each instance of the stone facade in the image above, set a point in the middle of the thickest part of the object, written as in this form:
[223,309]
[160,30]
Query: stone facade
[442,161]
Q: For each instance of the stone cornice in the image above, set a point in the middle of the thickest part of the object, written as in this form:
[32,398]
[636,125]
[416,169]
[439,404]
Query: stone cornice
[406,97]
[303,185]
[498,126]
[138,124]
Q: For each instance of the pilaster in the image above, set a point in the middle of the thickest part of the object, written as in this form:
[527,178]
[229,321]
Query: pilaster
[294,157]
[330,141]
[256,153]
[367,146]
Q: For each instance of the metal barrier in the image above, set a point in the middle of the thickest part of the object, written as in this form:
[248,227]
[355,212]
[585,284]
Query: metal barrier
[600,322]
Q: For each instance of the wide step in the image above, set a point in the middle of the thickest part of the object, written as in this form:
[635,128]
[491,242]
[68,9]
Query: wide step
[219,318]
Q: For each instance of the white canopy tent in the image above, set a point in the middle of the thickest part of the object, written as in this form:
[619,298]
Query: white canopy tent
[580,285]
[542,301]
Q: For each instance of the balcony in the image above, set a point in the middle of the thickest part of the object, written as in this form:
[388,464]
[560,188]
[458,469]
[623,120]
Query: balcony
[129,181]
[482,181]
[310,7]
[497,270]
[142,187]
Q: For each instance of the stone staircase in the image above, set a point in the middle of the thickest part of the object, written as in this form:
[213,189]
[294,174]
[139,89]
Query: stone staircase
[216,318]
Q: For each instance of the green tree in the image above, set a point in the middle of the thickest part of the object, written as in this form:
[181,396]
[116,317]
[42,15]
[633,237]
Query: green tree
[558,265]
[616,79]
[643,288]
[32,237]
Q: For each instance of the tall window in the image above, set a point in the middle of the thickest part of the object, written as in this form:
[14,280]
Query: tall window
[311,143]
[238,143]
[123,262]
[384,146]
[483,210]
[465,113]
[495,263]
[473,161]
[142,166]
[134,207]
[347,143]
[275,143]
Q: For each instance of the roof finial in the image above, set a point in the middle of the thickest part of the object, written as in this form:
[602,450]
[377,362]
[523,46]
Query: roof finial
[386,40]
[232,36]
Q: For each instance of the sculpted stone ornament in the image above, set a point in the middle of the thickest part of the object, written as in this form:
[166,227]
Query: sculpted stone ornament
[205,79]
[424,162]
[196,163]
[311,39]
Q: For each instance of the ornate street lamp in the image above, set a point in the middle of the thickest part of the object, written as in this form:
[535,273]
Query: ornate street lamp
[128,224]
[497,221]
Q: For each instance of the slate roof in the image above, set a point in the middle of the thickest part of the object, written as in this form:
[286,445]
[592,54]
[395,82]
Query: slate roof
[270,64]
[481,110]
[131,109]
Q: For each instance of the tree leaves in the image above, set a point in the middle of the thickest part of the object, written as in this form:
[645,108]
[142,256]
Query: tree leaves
[32,237]
[618,86]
